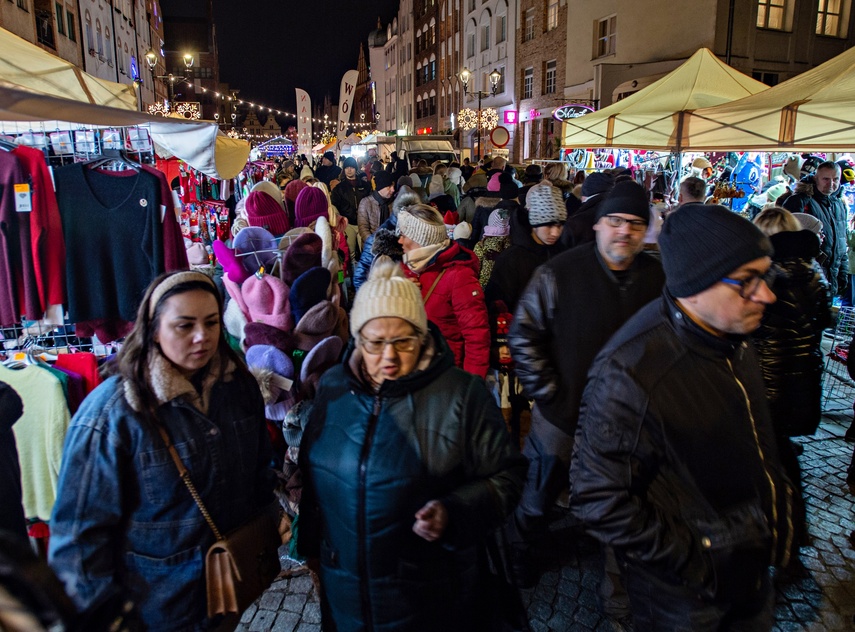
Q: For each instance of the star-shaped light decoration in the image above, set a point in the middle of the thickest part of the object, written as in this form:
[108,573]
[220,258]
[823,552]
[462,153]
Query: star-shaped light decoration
[489,118]
[467,118]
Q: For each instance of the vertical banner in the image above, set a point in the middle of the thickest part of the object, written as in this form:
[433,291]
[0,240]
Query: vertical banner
[304,122]
[345,101]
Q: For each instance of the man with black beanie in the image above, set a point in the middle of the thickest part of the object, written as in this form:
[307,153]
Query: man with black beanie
[675,464]
[579,227]
[328,171]
[349,192]
[570,308]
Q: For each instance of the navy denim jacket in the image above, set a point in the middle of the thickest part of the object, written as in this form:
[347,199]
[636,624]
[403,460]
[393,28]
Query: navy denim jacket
[123,517]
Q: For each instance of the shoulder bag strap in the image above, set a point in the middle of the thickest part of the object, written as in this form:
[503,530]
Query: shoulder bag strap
[435,281]
[185,476]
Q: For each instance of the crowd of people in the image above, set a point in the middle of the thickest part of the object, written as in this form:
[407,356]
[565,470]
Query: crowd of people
[368,325]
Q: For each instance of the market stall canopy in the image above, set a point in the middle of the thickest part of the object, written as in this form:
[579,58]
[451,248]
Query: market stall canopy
[652,118]
[25,66]
[197,143]
[810,112]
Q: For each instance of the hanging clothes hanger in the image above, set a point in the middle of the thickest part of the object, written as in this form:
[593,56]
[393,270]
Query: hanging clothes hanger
[113,157]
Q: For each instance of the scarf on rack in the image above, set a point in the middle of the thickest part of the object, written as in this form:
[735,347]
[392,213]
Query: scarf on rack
[168,383]
[420,258]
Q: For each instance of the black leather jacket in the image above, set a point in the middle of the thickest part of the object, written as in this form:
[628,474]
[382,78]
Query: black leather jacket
[788,340]
[675,464]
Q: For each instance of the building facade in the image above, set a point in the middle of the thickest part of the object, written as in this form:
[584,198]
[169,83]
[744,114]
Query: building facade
[425,53]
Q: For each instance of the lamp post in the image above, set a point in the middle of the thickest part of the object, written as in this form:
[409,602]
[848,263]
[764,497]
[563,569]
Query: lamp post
[151,58]
[495,77]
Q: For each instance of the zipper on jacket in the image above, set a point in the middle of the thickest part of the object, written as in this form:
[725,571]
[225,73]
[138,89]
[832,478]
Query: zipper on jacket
[361,526]
[786,557]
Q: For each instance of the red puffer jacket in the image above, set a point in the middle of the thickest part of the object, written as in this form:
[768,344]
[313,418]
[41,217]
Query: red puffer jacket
[457,306]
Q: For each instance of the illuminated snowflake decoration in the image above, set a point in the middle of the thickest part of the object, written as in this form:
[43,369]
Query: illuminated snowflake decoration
[159,109]
[467,118]
[232,133]
[188,110]
[489,118]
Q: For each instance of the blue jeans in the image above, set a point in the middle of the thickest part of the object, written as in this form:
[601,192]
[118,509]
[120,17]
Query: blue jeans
[661,607]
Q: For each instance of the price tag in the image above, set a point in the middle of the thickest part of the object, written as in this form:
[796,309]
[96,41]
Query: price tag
[23,200]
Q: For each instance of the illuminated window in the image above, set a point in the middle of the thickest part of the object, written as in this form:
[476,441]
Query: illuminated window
[551,75]
[528,83]
[832,18]
[552,15]
[529,25]
[772,14]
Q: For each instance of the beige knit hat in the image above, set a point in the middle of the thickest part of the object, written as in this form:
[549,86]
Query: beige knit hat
[388,293]
[422,232]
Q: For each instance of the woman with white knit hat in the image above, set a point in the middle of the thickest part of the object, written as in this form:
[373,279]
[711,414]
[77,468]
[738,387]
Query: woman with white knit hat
[406,466]
[447,274]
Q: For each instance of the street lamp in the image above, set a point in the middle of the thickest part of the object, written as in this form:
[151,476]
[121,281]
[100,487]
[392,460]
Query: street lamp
[495,76]
[151,58]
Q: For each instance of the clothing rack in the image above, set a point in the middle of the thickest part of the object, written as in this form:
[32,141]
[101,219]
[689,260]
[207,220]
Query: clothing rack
[38,337]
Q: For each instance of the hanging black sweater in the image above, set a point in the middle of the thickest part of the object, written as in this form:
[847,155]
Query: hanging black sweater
[113,238]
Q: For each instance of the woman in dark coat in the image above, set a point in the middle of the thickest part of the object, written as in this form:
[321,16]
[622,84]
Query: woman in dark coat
[788,340]
[406,466]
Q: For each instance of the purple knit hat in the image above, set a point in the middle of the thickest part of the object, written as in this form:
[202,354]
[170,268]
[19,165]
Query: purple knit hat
[310,205]
[303,253]
[262,210]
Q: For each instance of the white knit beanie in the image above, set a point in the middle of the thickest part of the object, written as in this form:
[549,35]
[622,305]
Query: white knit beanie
[545,205]
[422,232]
[388,293]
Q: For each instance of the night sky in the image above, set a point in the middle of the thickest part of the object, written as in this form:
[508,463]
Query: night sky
[269,47]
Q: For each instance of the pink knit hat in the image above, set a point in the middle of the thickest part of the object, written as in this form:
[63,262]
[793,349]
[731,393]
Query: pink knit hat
[494,184]
[310,205]
[293,188]
[266,300]
[262,210]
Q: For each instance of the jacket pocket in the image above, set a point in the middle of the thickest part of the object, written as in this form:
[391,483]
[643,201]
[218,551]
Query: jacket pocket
[737,549]
[160,480]
[169,592]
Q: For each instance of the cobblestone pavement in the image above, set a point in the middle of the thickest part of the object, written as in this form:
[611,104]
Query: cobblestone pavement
[819,596]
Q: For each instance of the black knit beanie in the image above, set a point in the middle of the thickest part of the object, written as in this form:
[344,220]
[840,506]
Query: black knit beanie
[597,182]
[702,245]
[508,189]
[627,197]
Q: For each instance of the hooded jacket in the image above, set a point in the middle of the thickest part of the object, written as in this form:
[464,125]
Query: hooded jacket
[373,211]
[675,464]
[570,308]
[370,461]
[832,212]
[348,194]
[456,305]
[788,340]
[327,173]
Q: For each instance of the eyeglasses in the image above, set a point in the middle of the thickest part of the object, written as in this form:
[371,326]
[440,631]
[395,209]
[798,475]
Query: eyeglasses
[748,287]
[406,344]
[636,225]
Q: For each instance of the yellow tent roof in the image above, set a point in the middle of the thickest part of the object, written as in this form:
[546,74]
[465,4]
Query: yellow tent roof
[651,118]
[810,112]
[25,66]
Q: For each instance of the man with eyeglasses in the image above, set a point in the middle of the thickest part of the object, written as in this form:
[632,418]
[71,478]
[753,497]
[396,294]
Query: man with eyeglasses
[570,308]
[675,464]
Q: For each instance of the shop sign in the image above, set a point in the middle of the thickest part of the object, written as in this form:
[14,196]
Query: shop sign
[533,114]
[571,110]
[510,117]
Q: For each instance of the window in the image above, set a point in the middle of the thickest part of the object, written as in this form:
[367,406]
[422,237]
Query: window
[528,83]
[470,44]
[22,4]
[99,40]
[550,77]
[501,28]
[832,18]
[605,36]
[772,14]
[529,25]
[109,47]
[471,5]
[552,15]
[90,43]
[485,36]
[60,19]
[769,78]
[72,32]
[119,57]
[500,87]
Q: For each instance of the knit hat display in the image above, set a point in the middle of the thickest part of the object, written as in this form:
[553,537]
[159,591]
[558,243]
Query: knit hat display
[626,197]
[388,293]
[266,299]
[701,247]
[255,247]
[323,320]
[350,162]
[462,231]
[234,320]
[235,293]
[329,156]
[475,181]
[311,204]
[545,205]
[508,188]
[323,356]
[266,186]
[303,253]
[232,266]
[422,232]
[293,188]
[308,289]
[262,334]
[494,185]
[498,223]
[597,182]
[264,211]
[382,180]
